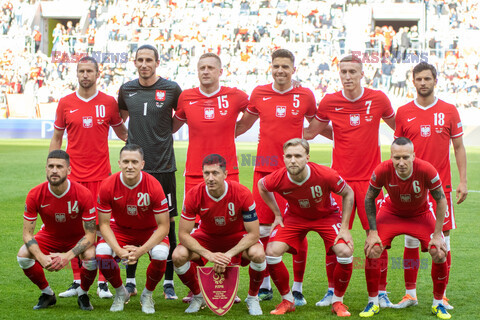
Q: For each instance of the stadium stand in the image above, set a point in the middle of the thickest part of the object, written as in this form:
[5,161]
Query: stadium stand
[243,33]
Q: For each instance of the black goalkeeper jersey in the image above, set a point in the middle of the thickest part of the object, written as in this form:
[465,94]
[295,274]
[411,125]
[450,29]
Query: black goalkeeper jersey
[150,121]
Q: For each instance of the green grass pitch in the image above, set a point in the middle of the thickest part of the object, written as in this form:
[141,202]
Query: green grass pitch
[22,167]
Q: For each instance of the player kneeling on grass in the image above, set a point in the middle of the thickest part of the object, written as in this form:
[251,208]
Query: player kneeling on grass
[307,186]
[68,215]
[136,201]
[229,231]
[405,211]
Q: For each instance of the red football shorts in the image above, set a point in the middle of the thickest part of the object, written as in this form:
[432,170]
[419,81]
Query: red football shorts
[50,243]
[192,181]
[132,237]
[360,189]
[265,215]
[296,228]
[420,226]
[449,223]
[94,187]
[220,243]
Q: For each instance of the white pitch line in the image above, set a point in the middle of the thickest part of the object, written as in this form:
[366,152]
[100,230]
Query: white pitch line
[474,191]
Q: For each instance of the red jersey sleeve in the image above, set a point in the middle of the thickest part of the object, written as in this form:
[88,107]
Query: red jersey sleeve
[272,180]
[312,104]
[252,107]
[88,206]
[322,114]
[456,128]
[337,184]
[180,112]
[378,176]
[31,211]
[242,100]
[432,176]
[248,208]
[399,123]
[387,107]
[60,123]
[104,198]
[190,208]
[115,119]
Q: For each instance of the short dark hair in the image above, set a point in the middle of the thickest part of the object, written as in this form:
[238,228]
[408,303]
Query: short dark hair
[147,47]
[132,147]
[353,59]
[297,142]
[402,141]
[215,159]
[422,66]
[283,53]
[89,59]
[59,154]
[211,55]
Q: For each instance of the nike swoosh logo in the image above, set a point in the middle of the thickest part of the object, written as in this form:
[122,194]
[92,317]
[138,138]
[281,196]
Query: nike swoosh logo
[338,109]
[117,198]
[443,278]
[132,94]
[44,205]
[266,98]
[287,192]
[393,185]
[72,111]
[193,102]
[411,119]
[204,209]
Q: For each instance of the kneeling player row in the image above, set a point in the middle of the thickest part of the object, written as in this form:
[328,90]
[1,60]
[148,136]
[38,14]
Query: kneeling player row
[229,228]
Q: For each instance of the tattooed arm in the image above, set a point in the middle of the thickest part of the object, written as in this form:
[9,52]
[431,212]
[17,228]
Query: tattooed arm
[437,237]
[371,210]
[83,244]
[32,245]
[370,207]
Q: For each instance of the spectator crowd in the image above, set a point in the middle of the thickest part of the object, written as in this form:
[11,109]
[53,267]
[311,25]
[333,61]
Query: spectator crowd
[243,33]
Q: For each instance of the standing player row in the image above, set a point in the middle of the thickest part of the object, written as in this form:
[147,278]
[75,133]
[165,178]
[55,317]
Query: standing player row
[355,113]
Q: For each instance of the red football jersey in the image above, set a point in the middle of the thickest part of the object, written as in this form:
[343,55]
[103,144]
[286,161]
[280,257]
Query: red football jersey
[222,216]
[430,129]
[407,197]
[87,123]
[311,198]
[211,122]
[132,207]
[281,119]
[63,215]
[356,145]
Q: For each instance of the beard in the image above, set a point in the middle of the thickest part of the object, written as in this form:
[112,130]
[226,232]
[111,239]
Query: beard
[295,170]
[426,94]
[57,182]
[86,86]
